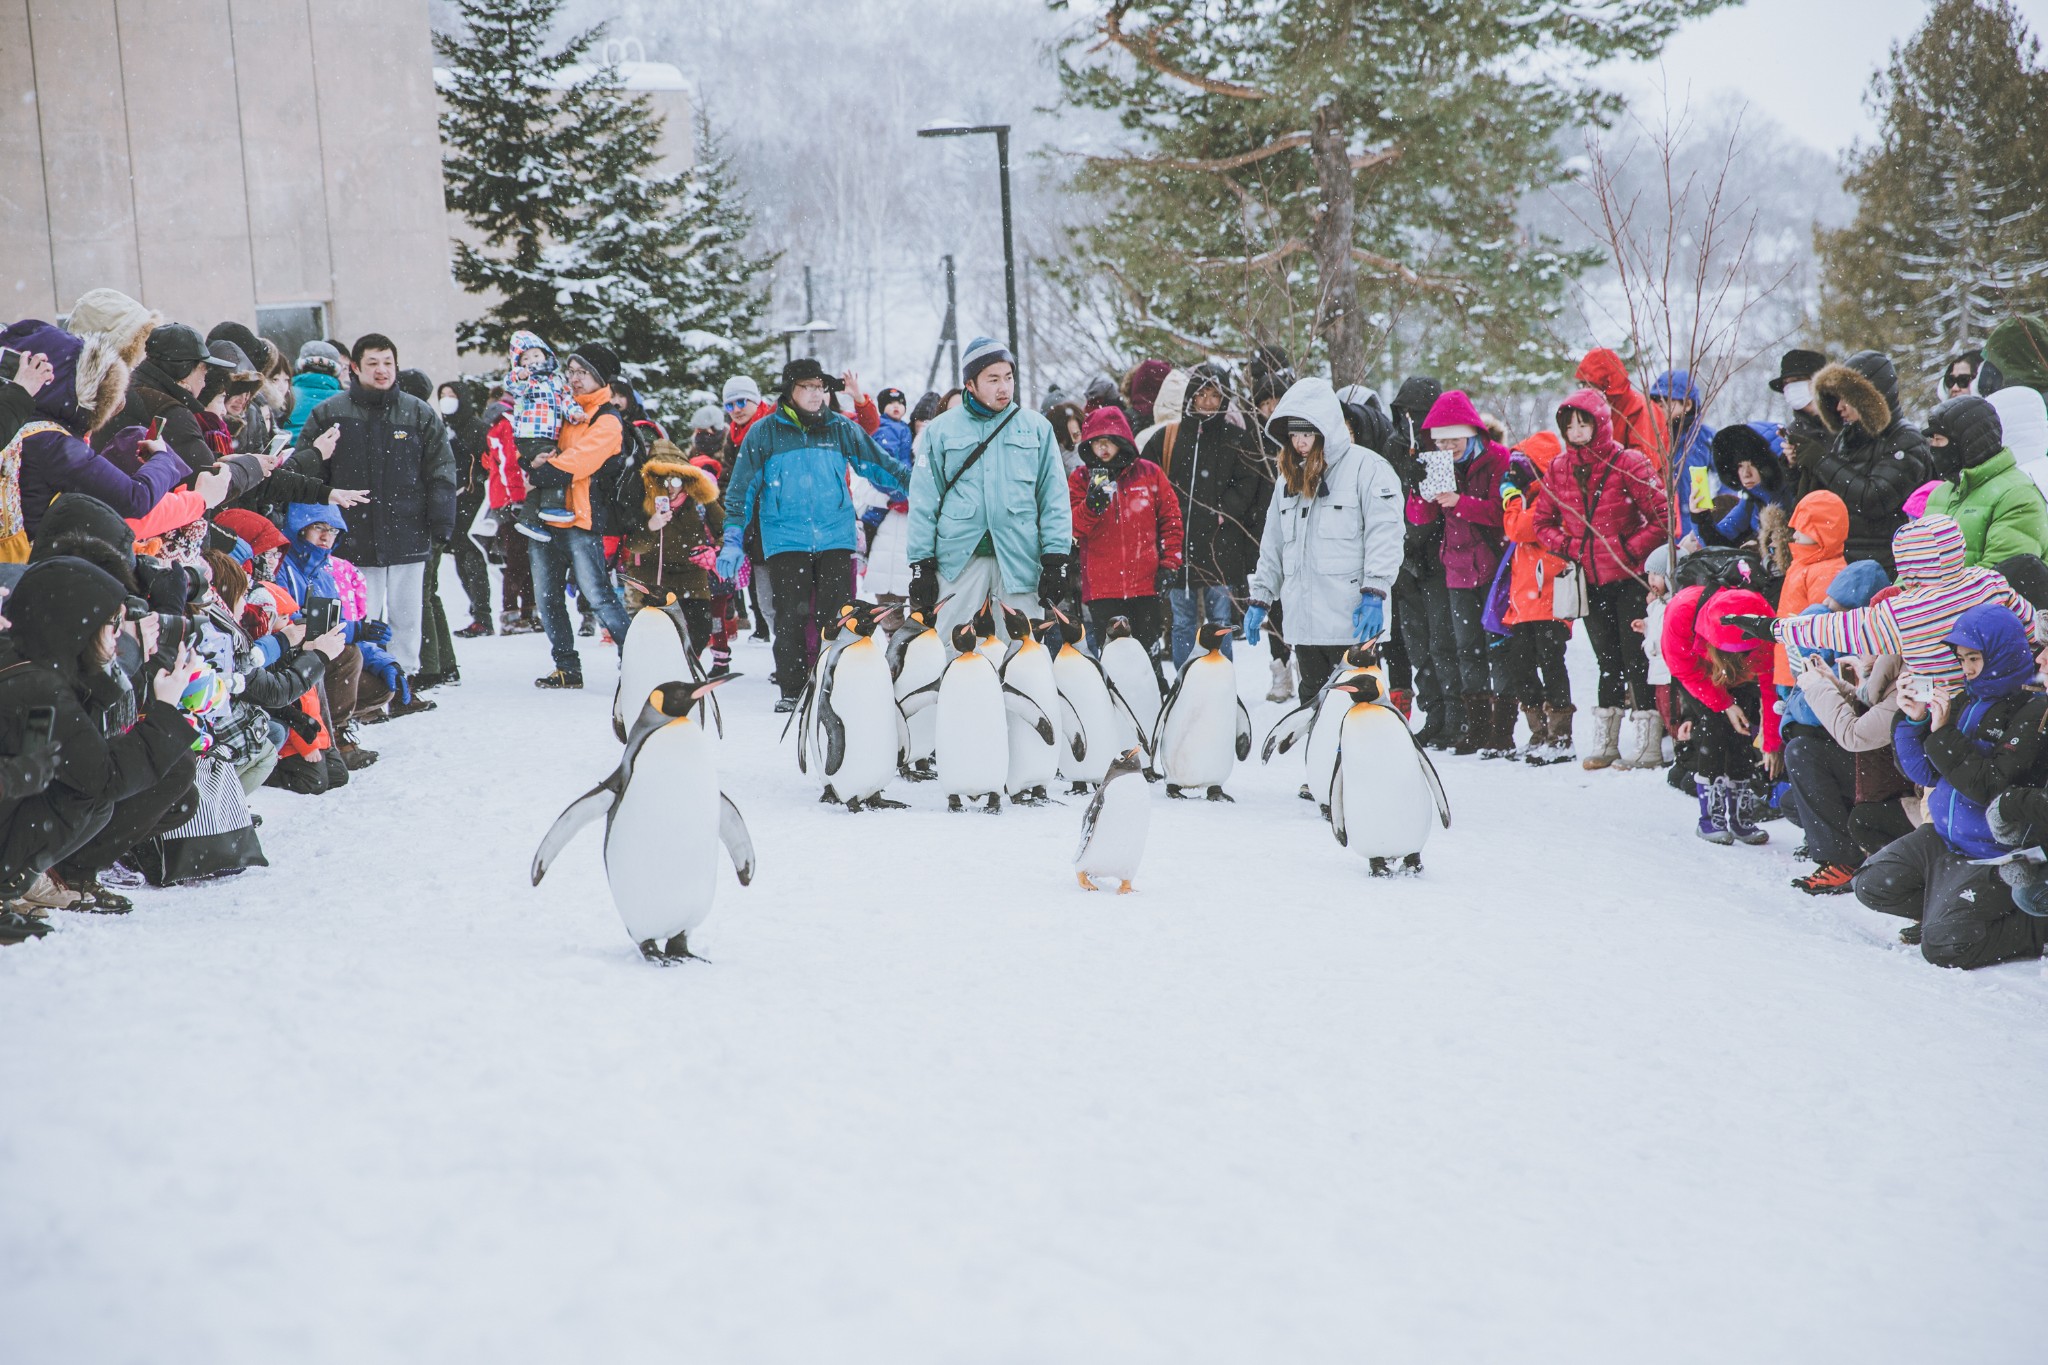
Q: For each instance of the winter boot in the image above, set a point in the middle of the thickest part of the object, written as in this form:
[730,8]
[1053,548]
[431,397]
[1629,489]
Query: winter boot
[1744,806]
[1713,825]
[1644,747]
[1559,748]
[1283,683]
[1829,879]
[1607,731]
[1533,751]
[1503,728]
[1478,729]
[1432,731]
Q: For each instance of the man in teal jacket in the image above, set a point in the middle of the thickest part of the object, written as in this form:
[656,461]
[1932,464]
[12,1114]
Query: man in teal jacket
[997,525]
[792,467]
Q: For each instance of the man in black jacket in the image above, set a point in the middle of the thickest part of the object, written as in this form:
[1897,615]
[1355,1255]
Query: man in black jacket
[1212,459]
[1876,459]
[167,384]
[396,446]
[1422,598]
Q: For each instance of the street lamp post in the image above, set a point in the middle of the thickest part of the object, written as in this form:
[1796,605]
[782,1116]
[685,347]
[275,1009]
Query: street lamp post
[1002,132]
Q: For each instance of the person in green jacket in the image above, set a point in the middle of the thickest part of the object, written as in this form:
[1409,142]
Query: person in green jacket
[1999,507]
[995,526]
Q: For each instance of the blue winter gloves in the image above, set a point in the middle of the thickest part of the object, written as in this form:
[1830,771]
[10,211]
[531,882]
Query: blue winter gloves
[729,561]
[1254,617]
[380,665]
[370,633]
[1369,618]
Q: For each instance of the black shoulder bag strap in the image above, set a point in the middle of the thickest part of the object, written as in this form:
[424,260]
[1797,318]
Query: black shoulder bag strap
[947,485]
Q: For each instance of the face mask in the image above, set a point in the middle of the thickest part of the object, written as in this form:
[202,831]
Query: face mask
[1798,394]
[449,403]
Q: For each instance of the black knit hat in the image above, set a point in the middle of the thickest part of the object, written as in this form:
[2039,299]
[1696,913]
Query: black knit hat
[598,358]
[804,367]
[888,396]
[1970,430]
[1797,365]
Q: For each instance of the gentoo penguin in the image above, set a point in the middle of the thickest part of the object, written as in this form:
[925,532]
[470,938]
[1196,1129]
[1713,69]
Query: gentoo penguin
[1087,705]
[1203,729]
[1385,789]
[657,649]
[1034,762]
[1319,719]
[663,815]
[916,657]
[860,733]
[973,731]
[1113,831]
[1133,680]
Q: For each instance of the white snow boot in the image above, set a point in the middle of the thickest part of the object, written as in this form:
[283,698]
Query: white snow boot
[1606,735]
[1283,682]
[1645,748]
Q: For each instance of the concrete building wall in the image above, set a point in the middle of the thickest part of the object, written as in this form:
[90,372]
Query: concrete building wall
[214,157]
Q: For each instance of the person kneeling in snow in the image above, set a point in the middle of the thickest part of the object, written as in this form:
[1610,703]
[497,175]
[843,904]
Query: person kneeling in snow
[1969,748]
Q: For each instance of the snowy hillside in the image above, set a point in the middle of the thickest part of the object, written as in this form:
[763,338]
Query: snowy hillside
[1587,1091]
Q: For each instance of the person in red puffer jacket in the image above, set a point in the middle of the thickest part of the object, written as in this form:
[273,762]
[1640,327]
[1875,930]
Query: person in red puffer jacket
[1721,669]
[1127,529]
[505,489]
[1602,506]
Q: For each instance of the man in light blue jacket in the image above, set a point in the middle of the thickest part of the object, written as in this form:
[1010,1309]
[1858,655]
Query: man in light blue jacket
[792,469]
[989,513]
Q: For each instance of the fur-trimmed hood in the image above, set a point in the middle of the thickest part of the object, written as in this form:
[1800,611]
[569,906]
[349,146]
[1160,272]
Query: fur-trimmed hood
[665,462]
[91,380]
[1870,384]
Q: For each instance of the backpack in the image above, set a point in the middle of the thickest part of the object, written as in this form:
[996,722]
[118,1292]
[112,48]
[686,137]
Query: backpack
[615,491]
[1714,569]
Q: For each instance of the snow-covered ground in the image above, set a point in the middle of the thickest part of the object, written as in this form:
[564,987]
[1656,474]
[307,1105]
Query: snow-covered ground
[1588,1090]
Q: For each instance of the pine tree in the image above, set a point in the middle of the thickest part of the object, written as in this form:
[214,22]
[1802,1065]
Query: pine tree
[656,265]
[519,146]
[1341,175]
[1950,234]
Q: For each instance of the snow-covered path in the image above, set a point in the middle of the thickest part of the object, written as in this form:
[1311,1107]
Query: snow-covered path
[1587,1091]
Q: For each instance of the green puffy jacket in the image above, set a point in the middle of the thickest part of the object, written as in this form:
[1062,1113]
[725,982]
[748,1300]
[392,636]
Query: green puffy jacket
[1015,495]
[2000,509]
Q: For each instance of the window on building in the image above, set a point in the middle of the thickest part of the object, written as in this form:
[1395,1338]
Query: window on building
[289,326]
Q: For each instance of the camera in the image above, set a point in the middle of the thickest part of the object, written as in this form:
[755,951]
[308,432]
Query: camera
[10,363]
[320,615]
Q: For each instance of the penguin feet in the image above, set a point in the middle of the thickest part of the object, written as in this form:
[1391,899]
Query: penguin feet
[880,803]
[1305,794]
[1086,885]
[1125,889]
[1174,793]
[1380,867]
[953,803]
[828,797]
[1411,866]
[1078,789]
[919,771]
[675,950]
[1034,796]
[1218,794]
[995,804]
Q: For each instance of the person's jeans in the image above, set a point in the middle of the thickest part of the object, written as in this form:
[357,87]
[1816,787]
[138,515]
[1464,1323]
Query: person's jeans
[1216,608]
[582,552]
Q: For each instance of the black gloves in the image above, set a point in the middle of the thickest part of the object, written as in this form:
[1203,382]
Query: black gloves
[1163,580]
[924,586]
[1100,487]
[1052,578]
[28,772]
[1752,627]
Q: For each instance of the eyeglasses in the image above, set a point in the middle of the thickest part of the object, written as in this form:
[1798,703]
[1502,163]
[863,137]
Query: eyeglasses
[735,404]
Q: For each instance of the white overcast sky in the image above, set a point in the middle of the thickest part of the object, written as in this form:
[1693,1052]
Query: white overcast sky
[1806,63]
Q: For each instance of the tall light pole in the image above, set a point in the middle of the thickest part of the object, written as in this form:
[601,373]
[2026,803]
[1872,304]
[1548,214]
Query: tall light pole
[1002,132]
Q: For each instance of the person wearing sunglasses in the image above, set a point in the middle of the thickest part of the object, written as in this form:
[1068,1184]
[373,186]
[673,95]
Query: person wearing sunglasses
[1961,373]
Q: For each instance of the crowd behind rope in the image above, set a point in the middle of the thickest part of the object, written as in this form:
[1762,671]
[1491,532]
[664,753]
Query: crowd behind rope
[222,563]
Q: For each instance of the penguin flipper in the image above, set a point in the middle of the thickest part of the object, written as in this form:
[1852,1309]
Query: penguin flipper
[1029,712]
[1165,711]
[1337,805]
[1244,732]
[1073,717]
[1130,713]
[917,699]
[584,809]
[739,845]
[1293,724]
[835,737]
[1088,819]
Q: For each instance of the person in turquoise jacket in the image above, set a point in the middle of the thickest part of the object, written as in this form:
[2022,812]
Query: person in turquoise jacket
[1999,507]
[318,379]
[1692,483]
[1001,527]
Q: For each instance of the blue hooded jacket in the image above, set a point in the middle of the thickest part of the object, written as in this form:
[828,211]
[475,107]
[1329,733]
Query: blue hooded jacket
[1965,771]
[796,476]
[1693,483]
[303,570]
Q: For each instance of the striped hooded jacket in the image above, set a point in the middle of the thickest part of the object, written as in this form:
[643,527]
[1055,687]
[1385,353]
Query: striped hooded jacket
[1934,590]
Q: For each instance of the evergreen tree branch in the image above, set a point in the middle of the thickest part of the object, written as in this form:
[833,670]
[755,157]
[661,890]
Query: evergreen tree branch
[1145,49]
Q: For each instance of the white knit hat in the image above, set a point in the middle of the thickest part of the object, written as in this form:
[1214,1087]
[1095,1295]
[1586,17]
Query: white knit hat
[740,386]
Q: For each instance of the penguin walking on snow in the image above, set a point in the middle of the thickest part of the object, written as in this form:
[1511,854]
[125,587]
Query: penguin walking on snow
[664,815]
[917,656]
[1114,829]
[1319,719]
[1132,676]
[657,649]
[1203,730]
[973,730]
[860,733]
[1385,790]
[1086,696]
[1034,762]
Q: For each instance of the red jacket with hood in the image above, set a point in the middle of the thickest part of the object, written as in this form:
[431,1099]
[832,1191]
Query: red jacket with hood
[1123,548]
[1638,423]
[1600,506]
[1472,525]
[1688,630]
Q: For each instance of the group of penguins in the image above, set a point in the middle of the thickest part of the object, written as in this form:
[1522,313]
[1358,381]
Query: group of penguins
[985,717]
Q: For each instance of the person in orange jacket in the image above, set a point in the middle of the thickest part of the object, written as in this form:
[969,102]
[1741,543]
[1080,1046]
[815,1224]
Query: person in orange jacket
[1535,670]
[1638,423]
[581,448]
[1820,531]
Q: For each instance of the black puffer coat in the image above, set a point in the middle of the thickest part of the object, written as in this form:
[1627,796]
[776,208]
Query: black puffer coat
[397,447]
[1420,551]
[1875,463]
[1218,471]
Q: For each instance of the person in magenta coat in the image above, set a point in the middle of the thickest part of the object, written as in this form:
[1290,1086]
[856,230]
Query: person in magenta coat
[1127,529]
[1470,511]
[1722,669]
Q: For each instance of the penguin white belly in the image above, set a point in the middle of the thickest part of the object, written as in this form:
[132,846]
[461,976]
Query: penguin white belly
[923,662]
[1033,762]
[865,704]
[1129,668]
[661,847]
[972,734]
[1320,756]
[1388,808]
[653,654]
[1117,843]
[1082,686]
[1199,748]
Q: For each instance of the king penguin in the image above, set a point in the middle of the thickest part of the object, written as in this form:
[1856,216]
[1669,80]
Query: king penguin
[657,648]
[861,734]
[1034,762]
[917,656]
[973,730]
[1132,677]
[1087,703]
[1319,719]
[1385,790]
[664,817]
[1203,729]
[1113,830]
